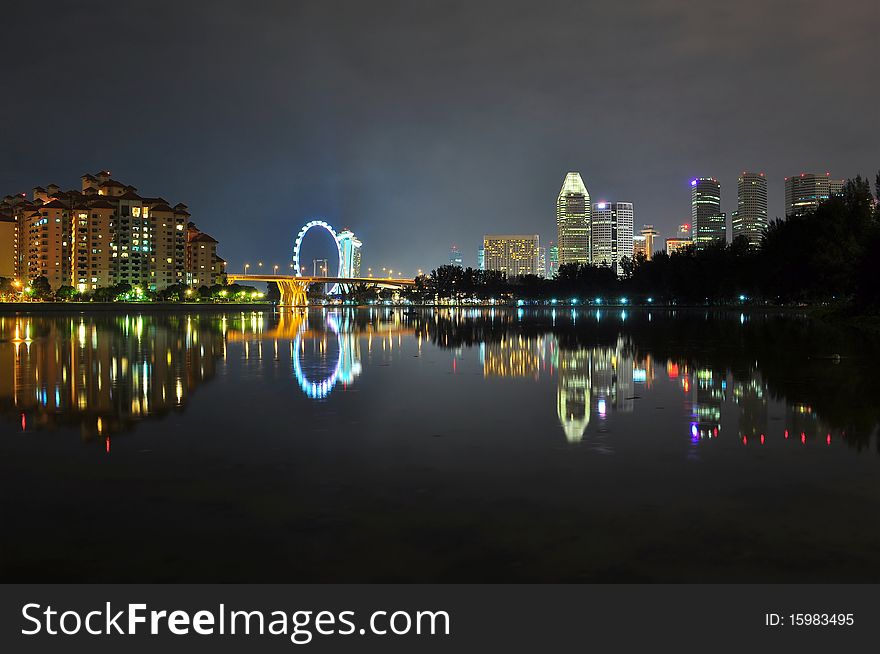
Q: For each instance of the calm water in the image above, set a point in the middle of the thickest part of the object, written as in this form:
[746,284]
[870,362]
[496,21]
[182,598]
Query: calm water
[438,445]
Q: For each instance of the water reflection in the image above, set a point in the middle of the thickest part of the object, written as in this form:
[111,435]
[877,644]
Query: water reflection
[725,373]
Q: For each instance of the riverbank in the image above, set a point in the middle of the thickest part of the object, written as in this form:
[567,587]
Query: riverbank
[129,307]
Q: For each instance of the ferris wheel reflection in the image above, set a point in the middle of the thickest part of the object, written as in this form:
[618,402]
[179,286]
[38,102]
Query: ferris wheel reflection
[345,369]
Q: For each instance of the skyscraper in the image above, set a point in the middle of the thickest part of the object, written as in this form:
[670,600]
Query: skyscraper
[612,234]
[515,254]
[542,261]
[455,256]
[350,247]
[481,258]
[552,260]
[709,223]
[648,232]
[573,214]
[750,218]
[804,192]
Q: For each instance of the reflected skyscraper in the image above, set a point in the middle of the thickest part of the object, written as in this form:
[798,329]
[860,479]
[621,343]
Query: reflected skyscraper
[573,395]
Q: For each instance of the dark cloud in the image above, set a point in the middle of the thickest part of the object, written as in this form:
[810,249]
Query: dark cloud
[420,124]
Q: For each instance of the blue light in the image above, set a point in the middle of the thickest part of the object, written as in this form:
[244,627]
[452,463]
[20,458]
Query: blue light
[742,298]
[693,182]
[598,300]
[574,300]
[650,300]
[623,300]
[553,301]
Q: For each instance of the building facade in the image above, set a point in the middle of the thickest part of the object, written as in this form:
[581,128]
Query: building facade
[750,218]
[708,222]
[455,258]
[573,220]
[8,241]
[552,260]
[203,266]
[101,235]
[804,192]
[612,234]
[350,247]
[512,254]
[648,233]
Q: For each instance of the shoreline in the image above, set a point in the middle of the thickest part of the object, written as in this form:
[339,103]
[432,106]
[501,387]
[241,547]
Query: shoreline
[128,307]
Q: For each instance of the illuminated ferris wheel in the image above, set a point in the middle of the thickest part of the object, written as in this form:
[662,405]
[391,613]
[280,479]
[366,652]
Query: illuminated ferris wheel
[297,266]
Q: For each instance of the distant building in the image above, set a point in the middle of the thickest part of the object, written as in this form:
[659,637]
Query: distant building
[481,259]
[103,234]
[573,214]
[612,234]
[750,218]
[321,268]
[542,261]
[203,266]
[648,233]
[708,222]
[350,247]
[512,254]
[674,245]
[640,246]
[455,256]
[552,260]
[804,192]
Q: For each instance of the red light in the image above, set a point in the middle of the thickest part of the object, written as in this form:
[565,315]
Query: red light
[745,440]
[828,439]
[786,433]
[23,422]
[715,432]
[762,439]
[803,437]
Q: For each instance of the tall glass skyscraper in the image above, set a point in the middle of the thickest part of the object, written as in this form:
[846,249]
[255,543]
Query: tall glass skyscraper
[612,234]
[804,192]
[573,214]
[708,223]
[750,218]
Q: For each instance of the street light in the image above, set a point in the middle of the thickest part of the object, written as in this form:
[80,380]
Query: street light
[246,266]
[275,269]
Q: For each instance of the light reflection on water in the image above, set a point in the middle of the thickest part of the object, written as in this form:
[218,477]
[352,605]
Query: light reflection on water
[462,443]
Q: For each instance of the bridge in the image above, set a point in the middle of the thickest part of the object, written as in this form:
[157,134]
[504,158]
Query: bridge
[294,288]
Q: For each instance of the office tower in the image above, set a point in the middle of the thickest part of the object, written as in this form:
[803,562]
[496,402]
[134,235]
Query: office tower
[804,192]
[350,248]
[455,256]
[750,218]
[512,254]
[573,211]
[481,259]
[708,222]
[648,233]
[640,246]
[612,234]
[553,260]
[103,234]
[203,266]
[542,261]
[684,231]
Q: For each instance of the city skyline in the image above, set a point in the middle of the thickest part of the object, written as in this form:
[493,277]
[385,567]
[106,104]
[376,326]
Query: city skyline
[254,170]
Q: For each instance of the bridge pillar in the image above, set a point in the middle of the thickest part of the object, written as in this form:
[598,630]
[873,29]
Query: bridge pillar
[293,293]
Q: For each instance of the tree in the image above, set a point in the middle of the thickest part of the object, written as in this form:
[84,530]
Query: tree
[66,294]
[40,288]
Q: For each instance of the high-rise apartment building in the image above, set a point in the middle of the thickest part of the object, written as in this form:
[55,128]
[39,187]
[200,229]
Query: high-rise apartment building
[573,214]
[512,254]
[750,218]
[203,266]
[103,234]
[8,240]
[804,192]
[612,234]
[709,224]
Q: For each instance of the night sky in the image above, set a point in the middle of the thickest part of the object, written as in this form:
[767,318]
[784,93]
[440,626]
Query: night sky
[420,124]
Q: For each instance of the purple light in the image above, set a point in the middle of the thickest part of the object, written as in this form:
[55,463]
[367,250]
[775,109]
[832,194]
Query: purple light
[602,408]
[693,182]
